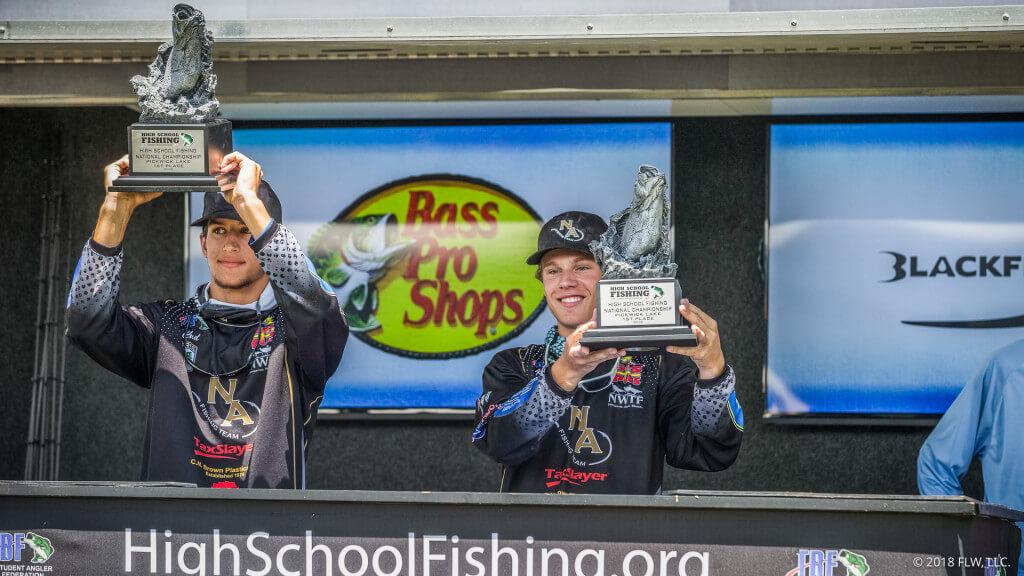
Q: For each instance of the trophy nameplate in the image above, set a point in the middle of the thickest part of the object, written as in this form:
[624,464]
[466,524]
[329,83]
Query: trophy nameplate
[639,314]
[174,157]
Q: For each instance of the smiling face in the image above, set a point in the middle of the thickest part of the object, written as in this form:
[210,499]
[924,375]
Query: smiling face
[235,274]
[570,283]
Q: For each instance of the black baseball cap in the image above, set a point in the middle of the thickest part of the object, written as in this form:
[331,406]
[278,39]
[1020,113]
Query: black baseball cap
[571,230]
[215,206]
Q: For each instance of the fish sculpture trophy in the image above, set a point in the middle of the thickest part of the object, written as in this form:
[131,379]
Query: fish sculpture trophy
[638,294]
[178,143]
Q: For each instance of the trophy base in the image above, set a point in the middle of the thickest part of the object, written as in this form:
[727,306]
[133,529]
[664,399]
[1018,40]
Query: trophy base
[637,339]
[129,183]
[175,157]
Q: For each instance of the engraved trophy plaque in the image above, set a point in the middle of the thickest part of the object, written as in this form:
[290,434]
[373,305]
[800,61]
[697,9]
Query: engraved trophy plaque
[638,294]
[178,143]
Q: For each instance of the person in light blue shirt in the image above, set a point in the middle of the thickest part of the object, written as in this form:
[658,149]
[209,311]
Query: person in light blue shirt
[983,421]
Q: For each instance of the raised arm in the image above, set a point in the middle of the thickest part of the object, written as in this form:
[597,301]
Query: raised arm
[317,328]
[699,416]
[123,339]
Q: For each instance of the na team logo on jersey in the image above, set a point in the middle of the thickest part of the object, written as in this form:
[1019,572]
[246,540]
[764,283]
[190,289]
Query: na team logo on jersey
[227,416]
[586,445]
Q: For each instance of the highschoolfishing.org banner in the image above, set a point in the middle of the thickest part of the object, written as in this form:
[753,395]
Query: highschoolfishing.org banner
[261,553]
[423,232]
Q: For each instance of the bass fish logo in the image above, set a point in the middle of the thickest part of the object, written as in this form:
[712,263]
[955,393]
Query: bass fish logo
[431,266]
[41,547]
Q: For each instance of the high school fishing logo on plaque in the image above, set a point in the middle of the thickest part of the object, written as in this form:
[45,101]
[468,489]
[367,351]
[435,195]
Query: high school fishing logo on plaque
[431,266]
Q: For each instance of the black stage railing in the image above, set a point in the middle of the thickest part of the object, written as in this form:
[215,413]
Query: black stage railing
[81,529]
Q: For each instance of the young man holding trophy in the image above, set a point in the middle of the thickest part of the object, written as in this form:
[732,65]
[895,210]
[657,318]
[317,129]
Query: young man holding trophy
[563,416]
[236,372]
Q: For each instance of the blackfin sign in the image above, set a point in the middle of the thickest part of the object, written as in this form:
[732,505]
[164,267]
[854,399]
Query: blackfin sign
[433,266]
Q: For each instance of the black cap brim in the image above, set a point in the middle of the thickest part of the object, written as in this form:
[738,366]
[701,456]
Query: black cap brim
[538,256]
[216,206]
[226,215]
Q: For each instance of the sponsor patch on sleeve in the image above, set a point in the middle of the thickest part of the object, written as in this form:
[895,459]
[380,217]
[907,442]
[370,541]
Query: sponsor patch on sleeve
[504,408]
[735,411]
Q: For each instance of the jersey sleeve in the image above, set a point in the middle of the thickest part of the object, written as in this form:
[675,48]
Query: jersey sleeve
[122,339]
[517,408]
[700,422]
[317,328]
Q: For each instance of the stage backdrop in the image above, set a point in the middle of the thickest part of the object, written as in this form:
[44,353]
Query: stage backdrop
[895,262]
[424,230]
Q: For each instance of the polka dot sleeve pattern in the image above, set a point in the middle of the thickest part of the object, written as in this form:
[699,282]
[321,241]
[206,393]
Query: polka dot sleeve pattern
[283,260]
[542,409]
[122,339]
[96,281]
[317,328]
[709,404]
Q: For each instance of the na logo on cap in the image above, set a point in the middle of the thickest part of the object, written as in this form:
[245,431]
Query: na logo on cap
[568,231]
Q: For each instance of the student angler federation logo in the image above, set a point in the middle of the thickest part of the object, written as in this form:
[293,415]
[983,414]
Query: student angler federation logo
[828,563]
[13,546]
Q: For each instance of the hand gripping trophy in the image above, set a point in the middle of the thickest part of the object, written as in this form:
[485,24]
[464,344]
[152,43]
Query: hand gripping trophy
[178,141]
[638,294]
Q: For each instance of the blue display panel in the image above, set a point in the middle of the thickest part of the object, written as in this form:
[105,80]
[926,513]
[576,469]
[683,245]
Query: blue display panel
[894,264]
[424,231]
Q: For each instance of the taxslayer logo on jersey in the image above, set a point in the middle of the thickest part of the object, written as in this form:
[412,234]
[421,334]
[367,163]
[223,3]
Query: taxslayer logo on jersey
[220,451]
[571,476]
[432,266]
